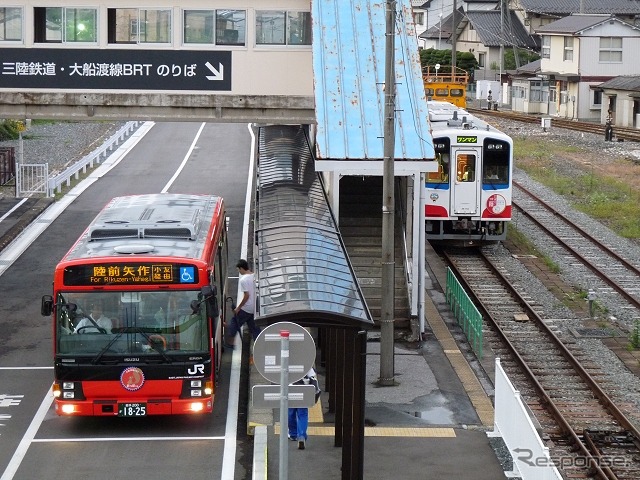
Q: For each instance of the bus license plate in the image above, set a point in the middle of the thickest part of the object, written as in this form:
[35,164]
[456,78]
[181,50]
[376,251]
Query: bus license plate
[132,409]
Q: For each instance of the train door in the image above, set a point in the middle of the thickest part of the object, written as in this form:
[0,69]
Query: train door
[465,197]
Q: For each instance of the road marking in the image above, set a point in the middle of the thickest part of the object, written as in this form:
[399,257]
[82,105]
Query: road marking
[231,429]
[26,368]
[28,437]
[13,209]
[115,439]
[165,189]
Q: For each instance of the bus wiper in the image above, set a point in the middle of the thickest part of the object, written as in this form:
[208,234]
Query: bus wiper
[139,330]
[106,348]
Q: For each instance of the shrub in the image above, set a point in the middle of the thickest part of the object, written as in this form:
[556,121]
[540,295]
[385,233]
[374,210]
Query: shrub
[9,130]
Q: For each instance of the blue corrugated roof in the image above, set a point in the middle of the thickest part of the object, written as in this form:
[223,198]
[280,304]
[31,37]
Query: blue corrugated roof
[349,70]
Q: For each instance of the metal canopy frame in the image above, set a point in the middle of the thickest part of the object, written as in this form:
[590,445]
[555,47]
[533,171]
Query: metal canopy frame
[304,276]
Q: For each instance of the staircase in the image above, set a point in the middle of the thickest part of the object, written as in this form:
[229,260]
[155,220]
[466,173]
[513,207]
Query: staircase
[361,228]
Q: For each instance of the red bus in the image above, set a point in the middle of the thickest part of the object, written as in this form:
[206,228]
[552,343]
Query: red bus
[138,305]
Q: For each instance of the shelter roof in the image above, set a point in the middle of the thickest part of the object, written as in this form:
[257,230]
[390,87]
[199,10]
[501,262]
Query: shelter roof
[349,52]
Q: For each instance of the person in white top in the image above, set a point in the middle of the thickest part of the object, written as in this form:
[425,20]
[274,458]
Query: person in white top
[299,417]
[96,322]
[244,311]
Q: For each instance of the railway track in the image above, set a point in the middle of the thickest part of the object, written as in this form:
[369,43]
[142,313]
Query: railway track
[610,272]
[619,133]
[587,434]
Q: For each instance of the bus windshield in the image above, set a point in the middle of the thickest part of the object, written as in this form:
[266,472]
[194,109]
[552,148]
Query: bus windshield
[116,323]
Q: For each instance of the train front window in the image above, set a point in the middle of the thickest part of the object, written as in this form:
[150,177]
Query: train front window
[466,167]
[131,323]
[442,175]
[496,155]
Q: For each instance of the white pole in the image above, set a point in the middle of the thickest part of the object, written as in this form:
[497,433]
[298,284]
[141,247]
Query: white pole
[284,404]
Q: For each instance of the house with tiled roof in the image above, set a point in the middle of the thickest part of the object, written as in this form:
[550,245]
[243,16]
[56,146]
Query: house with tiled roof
[621,96]
[538,13]
[580,52]
[486,34]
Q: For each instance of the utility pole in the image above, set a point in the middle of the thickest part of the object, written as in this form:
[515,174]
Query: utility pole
[454,29]
[388,206]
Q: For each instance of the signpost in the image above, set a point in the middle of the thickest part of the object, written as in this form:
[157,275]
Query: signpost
[116,69]
[295,357]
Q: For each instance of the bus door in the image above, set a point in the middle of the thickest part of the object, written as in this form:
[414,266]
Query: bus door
[465,195]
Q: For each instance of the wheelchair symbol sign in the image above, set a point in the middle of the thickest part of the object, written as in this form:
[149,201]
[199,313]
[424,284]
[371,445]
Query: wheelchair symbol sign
[187,275]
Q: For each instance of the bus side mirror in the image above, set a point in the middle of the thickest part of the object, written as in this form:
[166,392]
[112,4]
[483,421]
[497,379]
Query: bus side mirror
[46,307]
[210,294]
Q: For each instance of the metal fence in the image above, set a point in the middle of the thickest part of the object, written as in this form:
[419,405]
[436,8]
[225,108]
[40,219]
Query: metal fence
[7,164]
[465,312]
[56,183]
[32,179]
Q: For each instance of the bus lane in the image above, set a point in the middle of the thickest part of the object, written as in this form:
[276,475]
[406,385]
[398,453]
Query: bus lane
[148,447]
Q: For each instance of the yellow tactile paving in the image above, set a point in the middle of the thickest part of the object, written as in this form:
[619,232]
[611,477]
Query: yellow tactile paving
[472,386]
[315,414]
[427,432]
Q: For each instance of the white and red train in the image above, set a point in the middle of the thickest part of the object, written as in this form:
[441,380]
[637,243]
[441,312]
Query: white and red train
[469,198]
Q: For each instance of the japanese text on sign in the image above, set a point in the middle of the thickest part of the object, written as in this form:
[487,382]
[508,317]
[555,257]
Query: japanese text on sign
[99,69]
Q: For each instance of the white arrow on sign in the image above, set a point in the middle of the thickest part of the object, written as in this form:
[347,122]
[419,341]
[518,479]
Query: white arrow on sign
[217,74]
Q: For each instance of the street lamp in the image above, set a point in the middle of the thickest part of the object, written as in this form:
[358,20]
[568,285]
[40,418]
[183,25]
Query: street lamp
[440,31]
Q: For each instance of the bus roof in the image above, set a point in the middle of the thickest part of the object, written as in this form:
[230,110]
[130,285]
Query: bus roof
[154,225]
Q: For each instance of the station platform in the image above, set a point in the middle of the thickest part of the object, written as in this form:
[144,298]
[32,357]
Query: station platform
[433,424]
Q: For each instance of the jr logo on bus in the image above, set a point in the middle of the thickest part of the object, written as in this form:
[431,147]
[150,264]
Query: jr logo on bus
[197,369]
[467,139]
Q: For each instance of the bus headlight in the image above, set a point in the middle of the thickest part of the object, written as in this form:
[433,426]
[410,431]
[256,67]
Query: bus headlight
[68,408]
[197,407]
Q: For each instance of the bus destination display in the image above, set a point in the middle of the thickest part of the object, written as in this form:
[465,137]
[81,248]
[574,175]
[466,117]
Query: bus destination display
[129,274]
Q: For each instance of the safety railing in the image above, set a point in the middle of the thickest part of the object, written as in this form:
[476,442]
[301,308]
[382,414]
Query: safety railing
[512,422]
[465,312]
[56,183]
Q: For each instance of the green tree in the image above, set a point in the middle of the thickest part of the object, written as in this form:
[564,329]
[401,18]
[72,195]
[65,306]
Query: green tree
[525,57]
[464,60]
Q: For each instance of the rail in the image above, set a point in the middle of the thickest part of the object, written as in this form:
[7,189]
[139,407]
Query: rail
[619,133]
[56,183]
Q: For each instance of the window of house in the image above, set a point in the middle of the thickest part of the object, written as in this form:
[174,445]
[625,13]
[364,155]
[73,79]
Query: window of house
[596,99]
[283,28]
[139,25]
[535,91]
[299,28]
[231,27]
[482,58]
[610,50]
[10,24]
[568,49]
[418,18]
[65,25]
[219,27]
[546,46]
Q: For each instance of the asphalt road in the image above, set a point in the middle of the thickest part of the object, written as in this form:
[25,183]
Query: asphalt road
[34,442]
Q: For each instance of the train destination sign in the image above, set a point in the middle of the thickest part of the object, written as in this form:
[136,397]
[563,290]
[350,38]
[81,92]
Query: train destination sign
[115,69]
[129,274]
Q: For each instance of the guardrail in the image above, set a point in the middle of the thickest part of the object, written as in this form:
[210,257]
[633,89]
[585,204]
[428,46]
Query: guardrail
[465,312]
[101,153]
[531,458]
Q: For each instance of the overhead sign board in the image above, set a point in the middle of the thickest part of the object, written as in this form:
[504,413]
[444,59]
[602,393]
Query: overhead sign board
[131,69]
